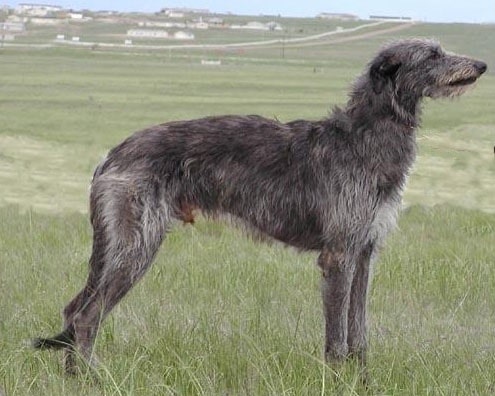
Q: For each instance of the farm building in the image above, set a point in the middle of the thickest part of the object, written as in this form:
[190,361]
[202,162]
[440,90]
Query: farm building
[179,25]
[274,26]
[339,16]
[16,27]
[39,10]
[181,35]
[47,21]
[390,18]
[255,25]
[198,25]
[160,34]
[258,26]
[147,33]
[174,14]
[215,21]
[176,11]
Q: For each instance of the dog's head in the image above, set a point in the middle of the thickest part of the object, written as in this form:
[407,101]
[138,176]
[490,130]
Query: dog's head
[422,68]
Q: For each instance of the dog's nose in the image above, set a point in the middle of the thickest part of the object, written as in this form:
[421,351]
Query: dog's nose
[481,66]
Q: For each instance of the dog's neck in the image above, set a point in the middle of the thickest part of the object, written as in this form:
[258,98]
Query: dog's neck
[368,107]
[407,107]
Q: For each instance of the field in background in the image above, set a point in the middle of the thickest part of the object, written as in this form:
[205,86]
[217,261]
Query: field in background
[63,108]
[218,314]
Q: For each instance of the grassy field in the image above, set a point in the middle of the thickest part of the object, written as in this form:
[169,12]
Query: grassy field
[219,314]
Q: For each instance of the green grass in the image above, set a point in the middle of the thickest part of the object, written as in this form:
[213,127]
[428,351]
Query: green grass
[219,314]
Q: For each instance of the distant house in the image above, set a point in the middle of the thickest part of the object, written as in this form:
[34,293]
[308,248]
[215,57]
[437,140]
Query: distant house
[108,12]
[208,62]
[180,25]
[174,14]
[13,27]
[181,35]
[258,26]
[50,21]
[274,26]
[389,18]
[17,18]
[198,25]
[339,16]
[255,25]
[184,10]
[147,33]
[215,21]
[38,10]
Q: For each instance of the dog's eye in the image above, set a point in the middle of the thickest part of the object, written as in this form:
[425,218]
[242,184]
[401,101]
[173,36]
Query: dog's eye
[435,54]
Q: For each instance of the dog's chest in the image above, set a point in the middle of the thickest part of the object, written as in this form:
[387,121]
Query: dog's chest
[385,218]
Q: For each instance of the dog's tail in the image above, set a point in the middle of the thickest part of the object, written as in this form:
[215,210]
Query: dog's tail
[63,340]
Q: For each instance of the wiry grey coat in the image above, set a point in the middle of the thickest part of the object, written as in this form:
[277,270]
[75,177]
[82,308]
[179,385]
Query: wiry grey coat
[333,186]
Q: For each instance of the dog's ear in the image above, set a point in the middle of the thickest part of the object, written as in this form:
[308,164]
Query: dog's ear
[382,69]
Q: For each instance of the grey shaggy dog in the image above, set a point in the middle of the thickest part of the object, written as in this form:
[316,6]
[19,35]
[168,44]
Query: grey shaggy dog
[333,186]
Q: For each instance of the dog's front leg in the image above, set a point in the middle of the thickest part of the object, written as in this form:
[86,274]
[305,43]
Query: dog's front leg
[337,270]
[356,337]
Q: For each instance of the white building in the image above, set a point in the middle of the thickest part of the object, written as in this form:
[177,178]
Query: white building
[147,33]
[39,10]
[179,25]
[274,26]
[180,35]
[215,21]
[13,27]
[47,21]
[175,14]
[258,26]
[198,25]
[255,25]
[339,16]
[185,10]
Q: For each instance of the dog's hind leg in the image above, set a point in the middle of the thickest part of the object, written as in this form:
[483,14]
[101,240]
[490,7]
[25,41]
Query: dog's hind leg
[96,263]
[134,225]
[65,339]
[337,270]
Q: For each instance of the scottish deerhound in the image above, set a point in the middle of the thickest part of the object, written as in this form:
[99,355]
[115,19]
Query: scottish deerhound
[332,186]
